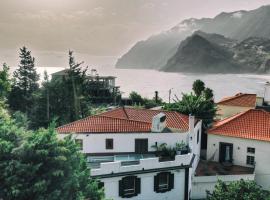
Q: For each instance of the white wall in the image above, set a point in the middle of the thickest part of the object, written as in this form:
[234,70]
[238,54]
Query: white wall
[201,184]
[148,163]
[125,142]
[224,111]
[147,187]
[262,158]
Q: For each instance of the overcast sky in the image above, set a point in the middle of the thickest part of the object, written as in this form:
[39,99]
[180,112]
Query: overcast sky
[99,27]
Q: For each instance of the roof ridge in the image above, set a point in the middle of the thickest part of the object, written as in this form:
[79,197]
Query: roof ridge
[233,97]
[121,119]
[167,111]
[237,116]
[125,112]
[229,119]
[95,116]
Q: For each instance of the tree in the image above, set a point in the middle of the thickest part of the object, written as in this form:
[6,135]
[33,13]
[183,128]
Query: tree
[37,165]
[208,93]
[5,82]
[238,190]
[198,87]
[136,98]
[199,106]
[26,83]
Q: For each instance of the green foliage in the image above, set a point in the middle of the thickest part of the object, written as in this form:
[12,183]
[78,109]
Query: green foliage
[36,165]
[208,93]
[198,87]
[25,84]
[5,82]
[201,106]
[198,106]
[238,190]
[138,100]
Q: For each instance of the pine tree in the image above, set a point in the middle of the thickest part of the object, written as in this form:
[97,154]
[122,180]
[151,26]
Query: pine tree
[5,82]
[26,83]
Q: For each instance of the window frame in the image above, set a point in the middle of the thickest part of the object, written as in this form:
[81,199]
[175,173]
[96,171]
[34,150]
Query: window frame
[170,182]
[109,143]
[250,160]
[130,190]
[251,150]
[125,191]
[161,186]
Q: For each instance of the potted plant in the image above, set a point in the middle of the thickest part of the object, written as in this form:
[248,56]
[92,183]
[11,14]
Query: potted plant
[181,148]
[159,148]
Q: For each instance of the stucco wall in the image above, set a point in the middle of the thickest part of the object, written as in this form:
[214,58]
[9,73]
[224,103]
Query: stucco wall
[125,142]
[262,157]
[111,186]
[225,111]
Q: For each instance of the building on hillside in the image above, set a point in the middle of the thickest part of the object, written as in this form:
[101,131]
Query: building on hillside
[243,140]
[120,147]
[101,89]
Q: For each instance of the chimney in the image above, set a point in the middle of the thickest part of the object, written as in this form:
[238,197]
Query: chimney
[267,93]
[191,123]
[158,123]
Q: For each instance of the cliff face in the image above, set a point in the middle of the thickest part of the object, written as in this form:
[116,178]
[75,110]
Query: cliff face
[212,53]
[155,52]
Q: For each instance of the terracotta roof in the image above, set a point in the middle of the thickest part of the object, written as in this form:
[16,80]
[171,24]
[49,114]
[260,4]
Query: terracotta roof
[124,120]
[252,124]
[243,100]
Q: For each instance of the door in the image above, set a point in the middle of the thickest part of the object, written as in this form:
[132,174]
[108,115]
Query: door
[141,146]
[225,152]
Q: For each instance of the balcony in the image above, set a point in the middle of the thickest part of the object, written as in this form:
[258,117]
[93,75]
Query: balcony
[115,167]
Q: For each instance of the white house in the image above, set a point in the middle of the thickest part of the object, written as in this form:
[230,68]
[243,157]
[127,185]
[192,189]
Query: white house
[243,140]
[120,145]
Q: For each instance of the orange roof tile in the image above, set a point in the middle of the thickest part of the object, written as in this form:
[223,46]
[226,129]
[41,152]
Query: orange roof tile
[103,124]
[244,100]
[252,124]
[123,120]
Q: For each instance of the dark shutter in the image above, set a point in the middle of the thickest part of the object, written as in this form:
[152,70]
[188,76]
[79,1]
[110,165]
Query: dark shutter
[156,183]
[138,186]
[171,181]
[121,192]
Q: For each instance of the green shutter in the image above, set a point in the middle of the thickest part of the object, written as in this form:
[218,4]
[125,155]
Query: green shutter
[156,183]
[171,181]
[121,192]
[138,185]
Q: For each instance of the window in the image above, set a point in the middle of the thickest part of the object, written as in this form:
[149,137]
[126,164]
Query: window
[141,146]
[79,142]
[163,182]
[250,160]
[198,136]
[129,186]
[109,143]
[251,150]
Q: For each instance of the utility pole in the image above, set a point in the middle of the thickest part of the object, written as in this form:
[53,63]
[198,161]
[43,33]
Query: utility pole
[170,93]
[156,96]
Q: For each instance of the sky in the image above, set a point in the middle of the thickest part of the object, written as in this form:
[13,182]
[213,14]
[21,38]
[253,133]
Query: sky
[99,27]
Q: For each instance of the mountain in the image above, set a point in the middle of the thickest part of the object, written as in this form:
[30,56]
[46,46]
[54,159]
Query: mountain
[199,54]
[213,53]
[154,52]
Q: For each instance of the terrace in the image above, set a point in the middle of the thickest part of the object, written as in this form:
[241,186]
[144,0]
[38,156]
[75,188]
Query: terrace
[209,168]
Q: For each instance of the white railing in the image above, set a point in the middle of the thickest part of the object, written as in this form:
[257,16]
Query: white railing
[143,164]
